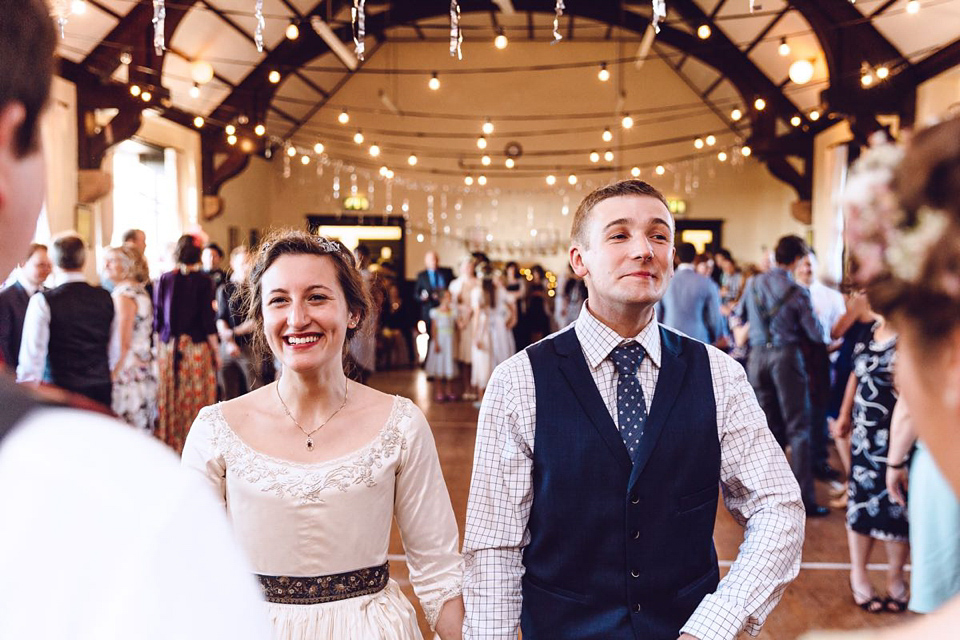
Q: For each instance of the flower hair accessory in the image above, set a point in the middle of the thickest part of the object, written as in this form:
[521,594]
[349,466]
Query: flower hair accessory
[878,231]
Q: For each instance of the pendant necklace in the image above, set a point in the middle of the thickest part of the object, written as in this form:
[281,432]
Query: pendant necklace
[309,434]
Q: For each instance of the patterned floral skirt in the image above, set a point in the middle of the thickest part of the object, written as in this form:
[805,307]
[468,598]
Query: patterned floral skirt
[188,382]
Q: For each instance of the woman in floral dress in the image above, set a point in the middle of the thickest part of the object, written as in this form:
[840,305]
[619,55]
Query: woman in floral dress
[134,377]
[871,514]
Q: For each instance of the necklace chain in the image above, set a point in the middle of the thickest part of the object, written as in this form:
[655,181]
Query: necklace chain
[323,424]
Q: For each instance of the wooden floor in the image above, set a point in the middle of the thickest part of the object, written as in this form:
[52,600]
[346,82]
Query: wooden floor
[818,599]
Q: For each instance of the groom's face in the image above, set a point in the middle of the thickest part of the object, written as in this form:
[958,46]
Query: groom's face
[627,255]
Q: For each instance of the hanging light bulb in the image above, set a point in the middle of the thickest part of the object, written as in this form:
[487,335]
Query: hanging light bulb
[784,48]
[344,117]
[485,160]
[304,160]
[814,115]
[759,104]
[660,170]
[635,172]
[230,129]
[736,114]
[722,156]
[801,71]
[913,7]
[487,127]
[195,91]
[603,74]
[259,129]
[146,96]
[134,90]
[78,7]
[608,155]
[795,121]
[293,31]
[481,180]
[500,42]
[318,148]
[626,122]
[883,72]
[572,179]
[126,57]
[198,122]
[698,143]
[201,71]
[412,160]
[374,150]
[711,140]
[273,77]
[594,156]
[468,180]
[551,180]
[746,151]
[703,31]
[420,235]
[291,151]
[383,171]
[866,80]
[434,82]
[358,137]
[607,135]
[510,163]
[481,143]
[231,140]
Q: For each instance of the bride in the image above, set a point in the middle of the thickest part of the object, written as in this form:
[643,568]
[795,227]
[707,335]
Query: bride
[313,468]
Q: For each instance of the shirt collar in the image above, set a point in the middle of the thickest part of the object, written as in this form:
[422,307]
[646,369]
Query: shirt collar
[26,284]
[685,266]
[598,340]
[63,277]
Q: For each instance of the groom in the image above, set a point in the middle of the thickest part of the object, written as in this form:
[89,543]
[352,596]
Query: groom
[600,454]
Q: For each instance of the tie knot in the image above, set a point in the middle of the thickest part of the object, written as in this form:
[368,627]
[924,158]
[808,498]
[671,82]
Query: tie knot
[627,358]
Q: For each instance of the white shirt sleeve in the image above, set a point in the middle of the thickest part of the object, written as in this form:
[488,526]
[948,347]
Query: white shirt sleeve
[136,548]
[761,493]
[501,496]
[36,339]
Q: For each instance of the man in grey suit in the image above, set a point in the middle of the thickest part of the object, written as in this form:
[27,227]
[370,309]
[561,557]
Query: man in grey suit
[692,302]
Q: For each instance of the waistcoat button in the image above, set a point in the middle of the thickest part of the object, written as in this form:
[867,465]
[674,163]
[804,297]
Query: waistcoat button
[637,608]
[635,573]
[635,499]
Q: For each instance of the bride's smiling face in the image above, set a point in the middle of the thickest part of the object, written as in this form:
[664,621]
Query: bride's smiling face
[305,312]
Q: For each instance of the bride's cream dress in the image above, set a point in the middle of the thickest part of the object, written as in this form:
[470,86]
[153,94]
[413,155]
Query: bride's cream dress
[334,517]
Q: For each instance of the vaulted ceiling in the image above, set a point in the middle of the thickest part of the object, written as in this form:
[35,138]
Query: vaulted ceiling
[548,106]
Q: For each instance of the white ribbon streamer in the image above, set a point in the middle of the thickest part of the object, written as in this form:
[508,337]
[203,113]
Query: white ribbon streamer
[456,38]
[358,17]
[558,11]
[159,18]
[258,35]
[659,13]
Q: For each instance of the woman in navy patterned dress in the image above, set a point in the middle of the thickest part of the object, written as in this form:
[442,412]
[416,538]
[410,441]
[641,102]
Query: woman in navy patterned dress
[871,515]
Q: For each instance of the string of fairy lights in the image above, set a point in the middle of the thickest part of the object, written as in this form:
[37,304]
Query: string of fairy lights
[242,133]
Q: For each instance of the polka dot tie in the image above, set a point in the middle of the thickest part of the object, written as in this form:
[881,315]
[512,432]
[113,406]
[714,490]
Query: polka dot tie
[631,406]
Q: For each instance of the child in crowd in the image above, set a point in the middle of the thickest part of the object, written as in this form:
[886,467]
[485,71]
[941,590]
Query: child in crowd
[484,300]
[440,362]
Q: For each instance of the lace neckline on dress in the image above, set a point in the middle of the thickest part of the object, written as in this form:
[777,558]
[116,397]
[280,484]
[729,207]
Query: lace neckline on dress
[394,417]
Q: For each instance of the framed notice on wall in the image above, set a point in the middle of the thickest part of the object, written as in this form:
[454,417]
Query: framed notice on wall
[84,224]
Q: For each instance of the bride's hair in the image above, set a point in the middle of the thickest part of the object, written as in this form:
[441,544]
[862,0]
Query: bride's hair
[283,242]
[927,180]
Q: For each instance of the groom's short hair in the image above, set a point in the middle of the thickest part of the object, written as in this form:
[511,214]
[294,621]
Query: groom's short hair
[622,188]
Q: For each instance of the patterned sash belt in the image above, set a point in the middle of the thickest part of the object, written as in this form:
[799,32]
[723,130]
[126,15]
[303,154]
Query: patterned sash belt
[317,589]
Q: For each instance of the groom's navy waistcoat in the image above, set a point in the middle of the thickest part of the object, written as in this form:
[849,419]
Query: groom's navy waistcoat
[619,548]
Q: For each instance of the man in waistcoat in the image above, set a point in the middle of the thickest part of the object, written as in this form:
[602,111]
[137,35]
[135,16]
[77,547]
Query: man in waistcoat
[67,331]
[600,455]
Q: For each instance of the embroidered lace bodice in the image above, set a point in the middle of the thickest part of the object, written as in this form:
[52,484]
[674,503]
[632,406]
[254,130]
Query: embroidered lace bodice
[298,519]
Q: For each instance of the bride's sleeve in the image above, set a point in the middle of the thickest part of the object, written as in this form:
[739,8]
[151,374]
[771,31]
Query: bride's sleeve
[425,517]
[202,456]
